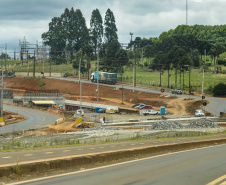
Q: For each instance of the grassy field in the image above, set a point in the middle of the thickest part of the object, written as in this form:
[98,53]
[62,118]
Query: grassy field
[143,76]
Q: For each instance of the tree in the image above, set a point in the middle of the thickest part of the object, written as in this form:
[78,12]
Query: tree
[219,89]
[88,51]
[96,29]
[56,39]
[195,58]
[108,55]
[80,30]
[121,60]
[110,30]
[78,57]
[179,58]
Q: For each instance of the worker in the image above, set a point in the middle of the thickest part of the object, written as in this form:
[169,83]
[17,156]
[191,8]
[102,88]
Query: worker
[104,119]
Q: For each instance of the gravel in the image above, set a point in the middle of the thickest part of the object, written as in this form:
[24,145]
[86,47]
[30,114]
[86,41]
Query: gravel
[202,123]
[165,125]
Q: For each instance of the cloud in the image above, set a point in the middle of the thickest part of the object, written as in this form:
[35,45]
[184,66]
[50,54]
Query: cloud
[145,18]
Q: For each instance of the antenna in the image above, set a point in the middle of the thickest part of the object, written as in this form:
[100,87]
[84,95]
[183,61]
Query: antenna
[186,12]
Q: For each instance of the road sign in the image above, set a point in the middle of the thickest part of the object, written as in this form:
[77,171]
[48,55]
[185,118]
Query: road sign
[203,97]
[162,90]
[204,103]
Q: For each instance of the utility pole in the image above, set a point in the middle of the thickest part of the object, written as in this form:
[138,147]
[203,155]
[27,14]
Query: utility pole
[1,117]
[44,55]
[98,77]
[34,66]
[131,34]
[202,82]
[27,64]
[80,88]
[5,54]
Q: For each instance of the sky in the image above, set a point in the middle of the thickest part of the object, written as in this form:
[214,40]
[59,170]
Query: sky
[143,18]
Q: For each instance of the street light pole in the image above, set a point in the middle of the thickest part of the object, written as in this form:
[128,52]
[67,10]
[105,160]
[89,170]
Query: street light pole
[1,118]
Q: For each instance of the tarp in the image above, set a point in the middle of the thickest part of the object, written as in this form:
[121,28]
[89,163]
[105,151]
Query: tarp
[44,102]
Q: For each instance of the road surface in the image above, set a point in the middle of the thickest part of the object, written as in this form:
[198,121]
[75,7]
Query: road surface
[35,119]
[199,166]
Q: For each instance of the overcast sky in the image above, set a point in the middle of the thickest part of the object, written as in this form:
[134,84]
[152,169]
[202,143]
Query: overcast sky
[145,18]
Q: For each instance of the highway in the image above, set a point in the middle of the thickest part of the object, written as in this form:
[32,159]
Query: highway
[215,106]
[34,119]
[198,167]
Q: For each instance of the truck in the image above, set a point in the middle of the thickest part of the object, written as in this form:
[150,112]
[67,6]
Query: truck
[104,77]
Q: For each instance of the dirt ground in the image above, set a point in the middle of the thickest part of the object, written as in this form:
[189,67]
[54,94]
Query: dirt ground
[107,95]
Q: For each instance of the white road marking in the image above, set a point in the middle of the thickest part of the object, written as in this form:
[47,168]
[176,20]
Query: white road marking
[218,180]
[8,157]
[28,155]
[48,153]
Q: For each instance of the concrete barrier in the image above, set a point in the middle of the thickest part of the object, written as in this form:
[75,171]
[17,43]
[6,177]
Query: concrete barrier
[97,159]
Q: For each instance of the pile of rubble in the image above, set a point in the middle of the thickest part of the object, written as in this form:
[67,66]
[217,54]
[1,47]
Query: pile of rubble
[165,125]
[202,123]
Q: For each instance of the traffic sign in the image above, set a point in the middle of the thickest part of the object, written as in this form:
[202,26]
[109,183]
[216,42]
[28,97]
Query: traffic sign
[162,90]
[203,97]
[204,103]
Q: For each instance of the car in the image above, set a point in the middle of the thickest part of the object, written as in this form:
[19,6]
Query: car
[177,91]
[146,107]
[139,106]
[199,113]
[133,106]
[103,110]
[150,112]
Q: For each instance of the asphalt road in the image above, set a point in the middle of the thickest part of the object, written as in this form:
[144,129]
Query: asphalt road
[8,158]
[215,106]
[35,119]
[200,166]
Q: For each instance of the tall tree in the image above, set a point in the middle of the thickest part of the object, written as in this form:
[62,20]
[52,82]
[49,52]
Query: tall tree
[96,29]
[55,37]
[80,31]
[110,30]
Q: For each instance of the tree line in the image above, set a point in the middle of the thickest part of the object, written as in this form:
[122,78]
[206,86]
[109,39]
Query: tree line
[71,40]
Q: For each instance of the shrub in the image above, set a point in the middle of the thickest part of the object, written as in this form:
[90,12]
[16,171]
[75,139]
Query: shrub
[222,62]
[219,90]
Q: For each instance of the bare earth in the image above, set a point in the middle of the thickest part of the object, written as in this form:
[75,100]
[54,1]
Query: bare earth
[107,95]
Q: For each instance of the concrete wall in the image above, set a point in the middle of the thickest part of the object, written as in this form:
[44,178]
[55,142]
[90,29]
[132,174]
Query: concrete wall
[38,74]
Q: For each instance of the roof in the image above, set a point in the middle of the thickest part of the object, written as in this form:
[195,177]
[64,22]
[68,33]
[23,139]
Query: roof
[43,102]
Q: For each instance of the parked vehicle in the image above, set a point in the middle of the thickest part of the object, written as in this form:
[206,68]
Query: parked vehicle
[150,112]
[102,110]
[177,91]
[146,107]
[104,77]
[199,113]
[133,106]
[139,106]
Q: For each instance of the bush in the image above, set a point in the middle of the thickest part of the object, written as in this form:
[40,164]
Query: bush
[219,90]
[222,62]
